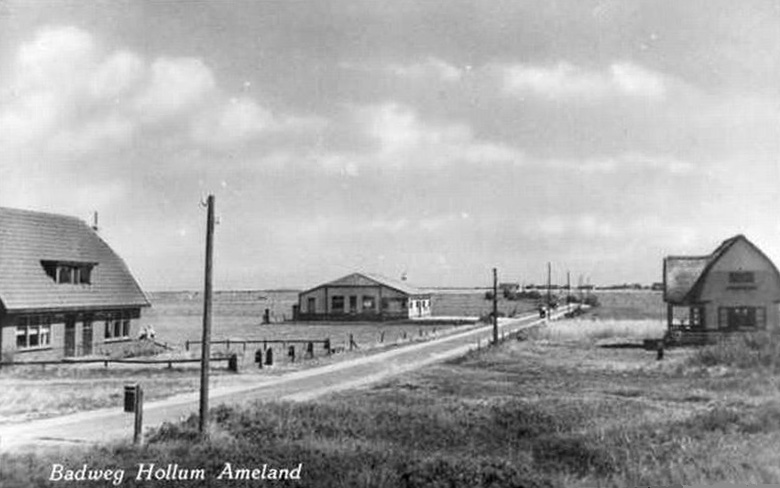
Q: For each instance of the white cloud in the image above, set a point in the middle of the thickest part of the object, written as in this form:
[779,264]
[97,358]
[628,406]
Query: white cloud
[623,163]
[404,139]
[566,81]
[174,86]
[68,106]
[585,225]
[433,68]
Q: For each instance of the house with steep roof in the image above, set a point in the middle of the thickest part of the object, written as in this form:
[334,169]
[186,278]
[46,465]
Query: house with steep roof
[735,288]
[363,296]
[63,291]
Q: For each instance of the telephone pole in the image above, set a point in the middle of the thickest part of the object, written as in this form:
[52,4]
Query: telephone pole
[549,284]
[206,343]
[495,307]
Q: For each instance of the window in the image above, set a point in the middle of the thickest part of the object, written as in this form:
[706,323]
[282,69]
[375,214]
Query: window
[311,305]
[369,303]
[741,317]
[33,332]
[353,304]
[697,317]
[117,326]
[337,304]
[741,277]
[69,272]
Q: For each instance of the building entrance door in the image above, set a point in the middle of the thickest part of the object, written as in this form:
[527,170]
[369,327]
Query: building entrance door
[70,336]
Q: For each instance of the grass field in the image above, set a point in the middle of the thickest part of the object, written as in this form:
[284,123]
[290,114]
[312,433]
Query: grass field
[176,317]
[551,411]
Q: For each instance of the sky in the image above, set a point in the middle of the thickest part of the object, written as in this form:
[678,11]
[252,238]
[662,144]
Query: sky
[436,139]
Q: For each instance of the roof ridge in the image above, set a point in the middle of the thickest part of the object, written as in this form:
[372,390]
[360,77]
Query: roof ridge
[41,213]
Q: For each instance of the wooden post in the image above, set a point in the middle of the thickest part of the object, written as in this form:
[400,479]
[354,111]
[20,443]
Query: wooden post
[549,284]
[206,344]
[495,306]
[138,430]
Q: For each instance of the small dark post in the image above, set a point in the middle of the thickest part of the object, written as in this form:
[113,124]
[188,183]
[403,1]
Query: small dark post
[291,353]
[310,350]
[351,341]
[660,351]
[495,306]
[269,357]
[134,403]
[382,337]
[138,430]
[259,358]
[233,363]
[326,345]
[267,316]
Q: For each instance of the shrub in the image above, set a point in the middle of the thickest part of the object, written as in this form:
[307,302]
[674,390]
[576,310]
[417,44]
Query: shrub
[758,350]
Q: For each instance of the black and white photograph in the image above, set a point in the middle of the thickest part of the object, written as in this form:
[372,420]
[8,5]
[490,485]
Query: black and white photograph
[411,243]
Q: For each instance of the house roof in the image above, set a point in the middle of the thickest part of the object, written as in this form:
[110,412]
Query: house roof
[28,238]
[684,275]
[680,275]
[372,279]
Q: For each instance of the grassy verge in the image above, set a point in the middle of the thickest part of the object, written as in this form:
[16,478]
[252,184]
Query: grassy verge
[536,413]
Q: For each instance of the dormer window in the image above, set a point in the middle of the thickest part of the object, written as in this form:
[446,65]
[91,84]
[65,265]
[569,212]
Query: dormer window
[69,272]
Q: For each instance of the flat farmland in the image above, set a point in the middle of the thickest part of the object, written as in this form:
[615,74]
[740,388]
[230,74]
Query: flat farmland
[629,305]
[237,315]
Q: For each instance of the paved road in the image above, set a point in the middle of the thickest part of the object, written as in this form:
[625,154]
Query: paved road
[112,423]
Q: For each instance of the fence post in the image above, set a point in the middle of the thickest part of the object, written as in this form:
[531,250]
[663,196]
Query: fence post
[310,350]
[233,363]
[382,337]
[291,353]
[326,344]
[259,358]
[187,345]
[269,357]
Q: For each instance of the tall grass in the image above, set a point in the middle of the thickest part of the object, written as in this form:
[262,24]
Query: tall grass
[756,350]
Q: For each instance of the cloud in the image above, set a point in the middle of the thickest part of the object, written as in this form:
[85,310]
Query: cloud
[173,87]
[566,81]
[405,139]
[431,68]
[586,225]
[629,162]
[69,106]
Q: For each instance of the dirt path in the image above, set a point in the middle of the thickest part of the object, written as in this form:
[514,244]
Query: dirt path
[112,423]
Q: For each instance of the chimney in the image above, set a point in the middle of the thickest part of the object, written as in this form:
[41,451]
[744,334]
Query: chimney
[95,222]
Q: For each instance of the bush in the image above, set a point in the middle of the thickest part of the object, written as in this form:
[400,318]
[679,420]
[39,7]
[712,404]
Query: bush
[758,350]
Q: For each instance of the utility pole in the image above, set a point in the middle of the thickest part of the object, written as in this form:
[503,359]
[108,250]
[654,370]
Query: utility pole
[206,343]
[495,306]
[549,284]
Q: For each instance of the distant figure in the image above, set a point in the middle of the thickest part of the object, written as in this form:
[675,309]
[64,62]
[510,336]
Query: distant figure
[146,333]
